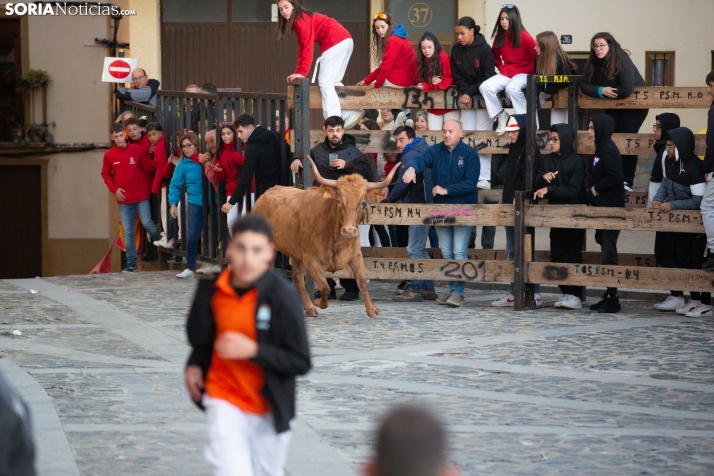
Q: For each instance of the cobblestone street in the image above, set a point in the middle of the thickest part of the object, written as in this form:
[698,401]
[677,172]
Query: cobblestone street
[100,363]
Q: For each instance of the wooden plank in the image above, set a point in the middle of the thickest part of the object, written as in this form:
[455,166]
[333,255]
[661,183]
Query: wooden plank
[652,98]
[634,219]
[634,144]
[436,269]
[620,276]
[636,199]
[439,215]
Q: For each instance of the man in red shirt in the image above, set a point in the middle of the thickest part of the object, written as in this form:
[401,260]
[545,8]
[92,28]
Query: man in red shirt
[247,331]
[123,172]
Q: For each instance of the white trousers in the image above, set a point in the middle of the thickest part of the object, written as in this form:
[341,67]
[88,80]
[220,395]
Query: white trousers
[514,90]
[232,216]
[479,120]
[164,230]
[558,116]
[707,209]
[333,65]
[243,444]
[363,235]
[436,122]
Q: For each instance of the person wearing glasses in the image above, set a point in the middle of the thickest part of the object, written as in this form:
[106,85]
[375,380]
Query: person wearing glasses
[514,54]
[395,54]
[189,174]
[143,90]
[610,73]
[561,180]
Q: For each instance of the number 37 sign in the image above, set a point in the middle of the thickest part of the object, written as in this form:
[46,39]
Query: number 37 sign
[436,16]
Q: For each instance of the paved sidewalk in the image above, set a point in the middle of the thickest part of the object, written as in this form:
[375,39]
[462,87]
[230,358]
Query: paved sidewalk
[100,363]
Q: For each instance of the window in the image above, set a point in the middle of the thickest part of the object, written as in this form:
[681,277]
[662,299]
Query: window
[659,68]
[190,11]
[252,10]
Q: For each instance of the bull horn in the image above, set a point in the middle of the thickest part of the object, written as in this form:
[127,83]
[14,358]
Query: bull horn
[322,181]
[387,180]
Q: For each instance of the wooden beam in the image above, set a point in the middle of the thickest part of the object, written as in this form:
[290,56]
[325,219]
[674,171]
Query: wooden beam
[439,215]
[636,199]
[434,269]
[652,98]
[634,144]
[633,219]
[620,276]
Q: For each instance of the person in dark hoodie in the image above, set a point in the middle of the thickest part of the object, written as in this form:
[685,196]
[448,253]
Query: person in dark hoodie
[708,166]
[683,187]
[604,189]
[514,181]
[561,179]
[610,73]
[455,169]
[412,146]
[472,63]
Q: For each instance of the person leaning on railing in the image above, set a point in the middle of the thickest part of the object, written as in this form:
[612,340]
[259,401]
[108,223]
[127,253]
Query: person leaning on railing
[708,166]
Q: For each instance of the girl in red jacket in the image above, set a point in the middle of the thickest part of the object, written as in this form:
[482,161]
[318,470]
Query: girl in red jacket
[229,167]
[392,49]
[434,71]
[335,44]
[514,52]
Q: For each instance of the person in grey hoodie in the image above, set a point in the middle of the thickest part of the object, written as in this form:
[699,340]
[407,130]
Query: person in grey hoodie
[682,188]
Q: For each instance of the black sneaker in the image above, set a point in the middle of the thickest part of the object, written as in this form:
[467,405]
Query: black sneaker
[611,305]
[350,296]
[129,269]
[332,296]
[709,263]
[597,305]
[429,294]
[150,256]
[402,287]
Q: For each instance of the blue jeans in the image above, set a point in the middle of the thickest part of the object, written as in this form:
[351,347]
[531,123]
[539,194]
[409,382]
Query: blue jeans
[417,250]
[454,243]
[510,254]
[433,239]
[127,213]
[194,223]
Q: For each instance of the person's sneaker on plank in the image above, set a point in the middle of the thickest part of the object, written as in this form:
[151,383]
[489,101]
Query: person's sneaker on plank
[508,301]
[502,122]
[455,301]
[429,294]
[689,307]
[671,304]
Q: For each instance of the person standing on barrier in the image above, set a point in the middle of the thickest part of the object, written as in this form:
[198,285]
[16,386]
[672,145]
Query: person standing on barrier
[604,189]
[514,52]
[708,166]
[561,180]
[514,181]
[189,174]
[683,187]
[552,60]
[394,53]
[610,73]
[472,63]
[162,177]
[336,47]
[455,169]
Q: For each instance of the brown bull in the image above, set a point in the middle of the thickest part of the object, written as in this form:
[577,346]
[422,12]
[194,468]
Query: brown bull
[317,228]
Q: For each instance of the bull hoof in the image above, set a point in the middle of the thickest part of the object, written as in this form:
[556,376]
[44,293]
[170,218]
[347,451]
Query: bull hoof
[373,312]
[321,303]
[312,312]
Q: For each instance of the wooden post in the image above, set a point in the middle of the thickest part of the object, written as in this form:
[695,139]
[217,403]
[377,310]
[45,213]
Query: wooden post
[519,270]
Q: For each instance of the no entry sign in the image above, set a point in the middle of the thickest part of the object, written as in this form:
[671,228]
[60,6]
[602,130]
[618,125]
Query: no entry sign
[118,70]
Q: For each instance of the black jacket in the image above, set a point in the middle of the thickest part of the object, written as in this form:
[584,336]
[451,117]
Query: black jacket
[668,121]
[605,170]
[625,81]
[560,70]
[472,65]
[347,151]
[515,178]
[568,187]
[262,158]
[709,154]
[414,192]
[283,350]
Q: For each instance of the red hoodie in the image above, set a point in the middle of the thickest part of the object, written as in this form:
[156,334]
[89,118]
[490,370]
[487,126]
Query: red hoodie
[447,79]
[326,31]
[124,167]
[164,168]
[512,61]
[399,64]
[231,166]
[144,144]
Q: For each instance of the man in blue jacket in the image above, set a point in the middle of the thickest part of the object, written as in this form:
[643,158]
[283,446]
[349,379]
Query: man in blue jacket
[455,168]
[412,146]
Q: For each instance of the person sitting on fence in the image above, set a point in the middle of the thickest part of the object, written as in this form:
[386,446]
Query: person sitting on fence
[514,52]
[141,139]
[123,171]
[434,70]
[514,181]
[189,174]
[455,169]
[394,53]
[418,192]
[708,166]
[472,63]
[262,160]
[229,167]
[552,60]
[143,89]
[604,189]
[561,180]
[162,177]
[683,187]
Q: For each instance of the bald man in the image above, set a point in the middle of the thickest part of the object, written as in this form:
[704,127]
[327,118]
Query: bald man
[143,90]
[455,168]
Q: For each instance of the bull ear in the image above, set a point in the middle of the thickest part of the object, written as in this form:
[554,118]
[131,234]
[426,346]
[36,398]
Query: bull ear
[329,193]
[373,196]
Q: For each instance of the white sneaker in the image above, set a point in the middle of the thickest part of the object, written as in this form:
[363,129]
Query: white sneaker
[484,184]
[628,188]
[338,284]
[205,269]
[161,243]
[507,301]
[671,304]
[185,274]
[352,120]
[215,270]
[538,299]
[689,307]
[400,120]
[568,301]
[502,121]
[701,310]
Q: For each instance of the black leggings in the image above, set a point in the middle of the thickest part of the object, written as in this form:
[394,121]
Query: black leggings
[566,246]
[690,255]
[382,233]
[628,120]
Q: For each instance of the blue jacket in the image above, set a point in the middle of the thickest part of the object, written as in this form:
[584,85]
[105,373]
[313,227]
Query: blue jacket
[190,174]
[400,32]
[398,190]
[456,171]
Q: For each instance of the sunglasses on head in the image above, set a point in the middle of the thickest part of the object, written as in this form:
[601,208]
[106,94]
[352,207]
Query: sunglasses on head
[507,5]
[380,16]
